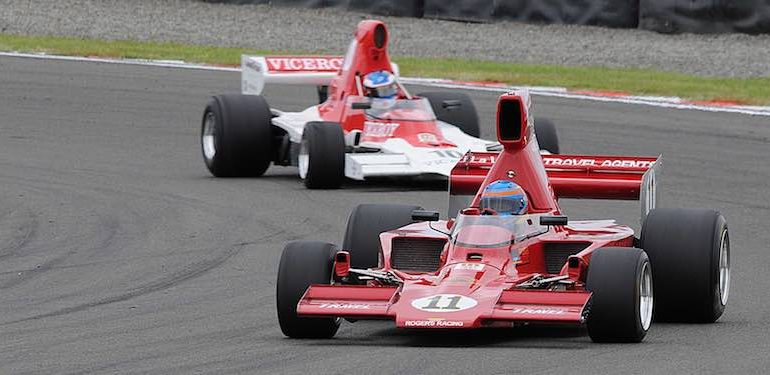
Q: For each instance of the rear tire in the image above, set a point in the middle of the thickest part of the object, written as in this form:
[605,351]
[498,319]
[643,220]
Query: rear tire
[690,252]
[545,132]
[622,302]
[304,263]
[463,117]
[366,222]
[322,155]
[236,136]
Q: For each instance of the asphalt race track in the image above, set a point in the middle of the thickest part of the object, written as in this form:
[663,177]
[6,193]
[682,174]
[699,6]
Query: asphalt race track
[119,253]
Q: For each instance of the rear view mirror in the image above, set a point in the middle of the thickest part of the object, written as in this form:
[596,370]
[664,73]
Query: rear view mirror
[422,215]
[451,104]
[553,220]
[361,105]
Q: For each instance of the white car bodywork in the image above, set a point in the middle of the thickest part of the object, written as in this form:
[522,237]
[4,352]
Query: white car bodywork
[396,157]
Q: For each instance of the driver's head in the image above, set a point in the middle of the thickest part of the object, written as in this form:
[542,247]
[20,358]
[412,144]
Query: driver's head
[380,84]
[504,197]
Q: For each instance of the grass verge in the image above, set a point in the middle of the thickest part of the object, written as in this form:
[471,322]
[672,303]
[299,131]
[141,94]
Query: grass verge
[635,81]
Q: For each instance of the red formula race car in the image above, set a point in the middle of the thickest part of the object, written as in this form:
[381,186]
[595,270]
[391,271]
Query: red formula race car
[364,127]
[484,269]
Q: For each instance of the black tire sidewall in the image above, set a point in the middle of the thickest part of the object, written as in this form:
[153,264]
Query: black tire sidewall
[325,144]
[684,249]
[244,138]
[614,277]
[302,264]
[365,223]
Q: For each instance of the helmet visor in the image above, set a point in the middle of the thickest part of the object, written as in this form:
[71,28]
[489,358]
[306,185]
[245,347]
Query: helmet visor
[504,205]
[388,91]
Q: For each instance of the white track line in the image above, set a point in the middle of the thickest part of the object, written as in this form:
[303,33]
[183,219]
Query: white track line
[655,101]
[156,63]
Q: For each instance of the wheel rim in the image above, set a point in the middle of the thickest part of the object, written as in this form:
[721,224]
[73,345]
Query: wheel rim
[209,138]
[303,160]
[724,268]
[645,297]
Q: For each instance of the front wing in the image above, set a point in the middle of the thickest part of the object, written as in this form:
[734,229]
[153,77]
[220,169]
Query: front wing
[364,302]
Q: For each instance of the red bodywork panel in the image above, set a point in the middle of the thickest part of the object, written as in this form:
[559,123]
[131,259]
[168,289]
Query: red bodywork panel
[479,279]
[569,176]
[597,177]
[363,57]
[490,282]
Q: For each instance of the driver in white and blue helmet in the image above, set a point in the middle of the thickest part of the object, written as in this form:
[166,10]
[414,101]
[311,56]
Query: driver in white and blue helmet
[504,198]
[380,84]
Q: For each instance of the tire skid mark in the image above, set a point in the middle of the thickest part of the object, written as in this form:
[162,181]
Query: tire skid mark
[113,261]
[104,234]
[22,230]
[189,272]
[106,229]
[111,231]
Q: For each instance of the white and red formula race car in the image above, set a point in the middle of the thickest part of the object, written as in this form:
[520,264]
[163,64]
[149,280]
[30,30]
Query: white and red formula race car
[349,134]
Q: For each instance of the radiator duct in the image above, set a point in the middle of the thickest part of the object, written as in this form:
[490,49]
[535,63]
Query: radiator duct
[416,254]
[557,253]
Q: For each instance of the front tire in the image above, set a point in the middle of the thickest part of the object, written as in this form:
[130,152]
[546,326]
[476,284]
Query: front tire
[322,155]
[304,263]
[690,252]
[236,136]
[621,306]
[366,222]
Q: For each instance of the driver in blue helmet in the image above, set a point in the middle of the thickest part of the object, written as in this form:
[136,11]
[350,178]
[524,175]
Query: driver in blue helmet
[380,84]
[504,198]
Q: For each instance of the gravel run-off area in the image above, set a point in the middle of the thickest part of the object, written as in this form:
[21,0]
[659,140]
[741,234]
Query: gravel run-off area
[328,31]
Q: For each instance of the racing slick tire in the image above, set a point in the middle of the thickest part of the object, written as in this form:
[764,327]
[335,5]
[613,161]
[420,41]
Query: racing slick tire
[545,132]
[236,136]
[366,222]
[304,263]
[690,252]
[322,155]
[621,306]
[463,116]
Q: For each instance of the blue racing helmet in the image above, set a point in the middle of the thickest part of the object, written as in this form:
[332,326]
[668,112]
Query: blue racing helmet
[504,197]
[380,84]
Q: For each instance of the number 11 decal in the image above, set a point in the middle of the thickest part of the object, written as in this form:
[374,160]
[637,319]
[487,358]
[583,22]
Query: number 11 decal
[444,303]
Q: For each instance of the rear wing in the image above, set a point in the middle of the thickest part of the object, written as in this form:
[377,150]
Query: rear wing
[257,71]
[570,176]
